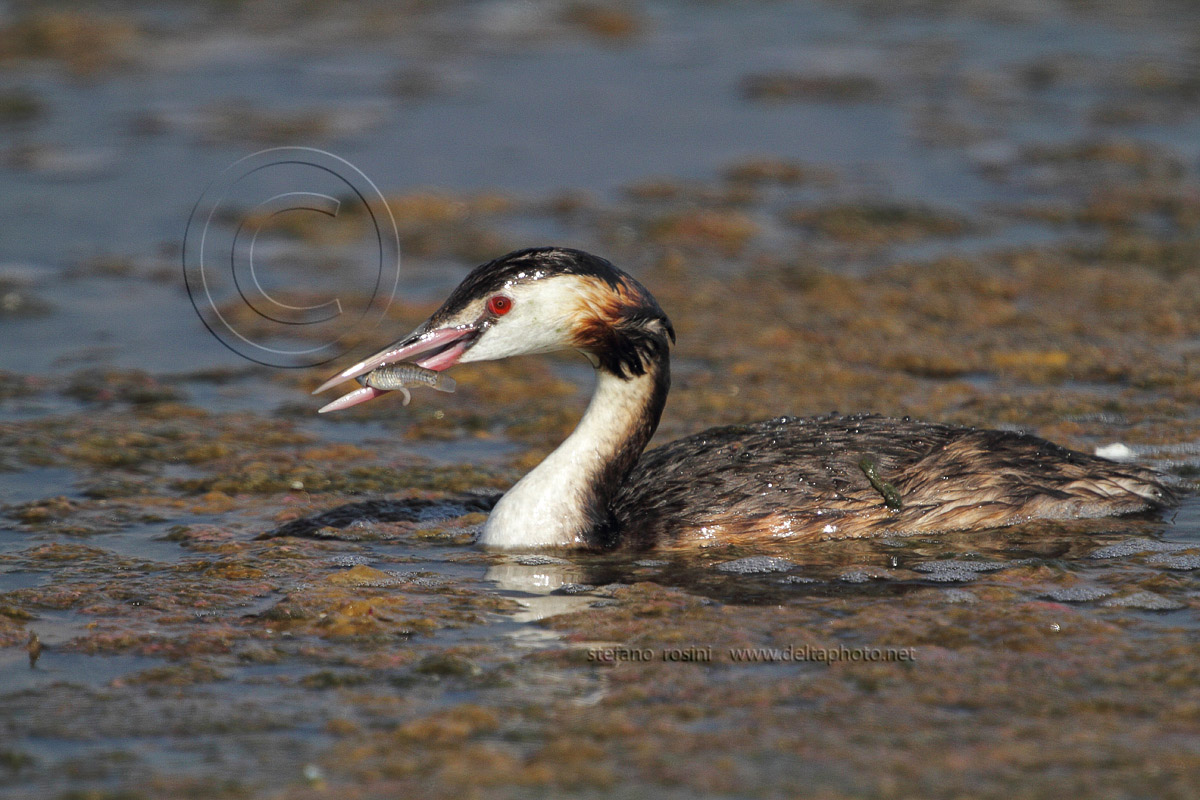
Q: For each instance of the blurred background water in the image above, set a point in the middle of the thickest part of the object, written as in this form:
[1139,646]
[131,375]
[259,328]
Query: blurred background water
[119,115]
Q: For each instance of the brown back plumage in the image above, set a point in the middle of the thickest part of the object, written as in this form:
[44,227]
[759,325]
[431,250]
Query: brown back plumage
[801,478]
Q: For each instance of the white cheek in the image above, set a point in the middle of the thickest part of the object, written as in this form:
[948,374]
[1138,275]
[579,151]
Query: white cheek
[538,323]
[513,336]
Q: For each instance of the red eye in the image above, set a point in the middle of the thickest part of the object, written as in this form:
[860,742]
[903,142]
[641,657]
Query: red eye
[500,305]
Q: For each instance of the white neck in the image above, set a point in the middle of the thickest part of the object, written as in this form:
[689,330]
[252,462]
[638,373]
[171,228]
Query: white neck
[565,497]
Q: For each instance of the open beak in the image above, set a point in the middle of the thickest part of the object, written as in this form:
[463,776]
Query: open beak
[437,349]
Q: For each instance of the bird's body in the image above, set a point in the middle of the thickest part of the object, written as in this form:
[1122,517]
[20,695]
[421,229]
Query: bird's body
[789,478]
[803,478]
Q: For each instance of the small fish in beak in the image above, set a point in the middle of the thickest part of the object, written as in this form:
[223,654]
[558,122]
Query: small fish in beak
[430,351]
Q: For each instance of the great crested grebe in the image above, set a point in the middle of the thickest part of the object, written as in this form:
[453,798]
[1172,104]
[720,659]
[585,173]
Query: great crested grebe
[796,478]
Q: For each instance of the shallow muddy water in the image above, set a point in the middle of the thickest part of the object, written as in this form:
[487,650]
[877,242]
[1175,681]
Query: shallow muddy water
[983,214]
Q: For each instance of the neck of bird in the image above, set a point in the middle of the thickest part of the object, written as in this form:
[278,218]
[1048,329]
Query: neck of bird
[564,501]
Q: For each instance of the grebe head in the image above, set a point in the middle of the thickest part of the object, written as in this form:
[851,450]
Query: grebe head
[532,301]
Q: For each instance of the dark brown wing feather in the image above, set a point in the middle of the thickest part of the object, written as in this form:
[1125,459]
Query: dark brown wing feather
[800,477]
